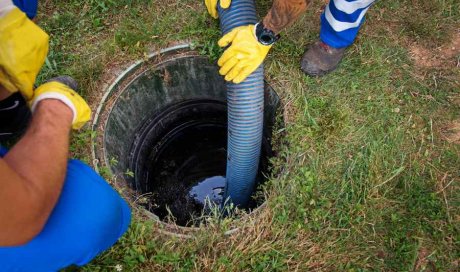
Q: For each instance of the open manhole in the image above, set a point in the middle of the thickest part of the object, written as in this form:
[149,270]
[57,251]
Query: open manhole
[162,128]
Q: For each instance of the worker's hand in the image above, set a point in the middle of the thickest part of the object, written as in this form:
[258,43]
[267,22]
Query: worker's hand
[212,6]
[244,55]
[65,94]
[23,49]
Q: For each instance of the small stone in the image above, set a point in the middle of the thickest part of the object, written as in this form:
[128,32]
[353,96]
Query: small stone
[396,110]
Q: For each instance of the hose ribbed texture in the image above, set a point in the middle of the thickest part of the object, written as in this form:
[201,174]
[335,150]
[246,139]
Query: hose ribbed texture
[245,114]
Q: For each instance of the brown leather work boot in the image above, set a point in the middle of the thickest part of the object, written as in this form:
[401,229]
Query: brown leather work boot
[320,59]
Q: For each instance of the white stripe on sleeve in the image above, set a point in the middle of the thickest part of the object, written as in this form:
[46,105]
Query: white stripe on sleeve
[350,7]
[341,26]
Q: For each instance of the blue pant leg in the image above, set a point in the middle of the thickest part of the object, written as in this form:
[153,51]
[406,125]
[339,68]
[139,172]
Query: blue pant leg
[89,218]
[341,20]
[29,7]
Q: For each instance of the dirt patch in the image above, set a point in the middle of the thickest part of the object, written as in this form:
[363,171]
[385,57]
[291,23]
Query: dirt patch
[451,132]
[455,99]
[289,112]
[447,55]
[422,261]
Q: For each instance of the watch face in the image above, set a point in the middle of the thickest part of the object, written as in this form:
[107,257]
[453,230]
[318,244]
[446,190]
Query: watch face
[266,39]
[265,36]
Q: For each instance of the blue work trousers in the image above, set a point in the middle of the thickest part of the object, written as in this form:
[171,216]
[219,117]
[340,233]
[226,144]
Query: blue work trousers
[341,20]
[90,216]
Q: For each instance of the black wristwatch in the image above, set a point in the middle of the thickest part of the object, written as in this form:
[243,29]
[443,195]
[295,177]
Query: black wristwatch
[264,35]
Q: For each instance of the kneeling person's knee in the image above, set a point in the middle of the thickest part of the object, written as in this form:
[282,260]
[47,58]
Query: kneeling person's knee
[100,215]
[89,217]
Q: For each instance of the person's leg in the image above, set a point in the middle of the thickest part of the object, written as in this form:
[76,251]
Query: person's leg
[89,218]
[341,20]
[340,23]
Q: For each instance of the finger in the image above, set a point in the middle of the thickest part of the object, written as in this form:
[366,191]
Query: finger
[225,3]
[233,73]
[227,38]
[237,68]
[242,64]
[214,14]
[228,54]
[6,83]
[228,66]
[212,8]
[244,74]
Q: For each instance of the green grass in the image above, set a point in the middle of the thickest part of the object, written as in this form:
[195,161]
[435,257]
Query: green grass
[366,180]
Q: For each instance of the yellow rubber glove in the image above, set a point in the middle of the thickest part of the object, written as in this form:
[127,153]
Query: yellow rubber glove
[244,55]
[212,6]
[23,49]
[63,93]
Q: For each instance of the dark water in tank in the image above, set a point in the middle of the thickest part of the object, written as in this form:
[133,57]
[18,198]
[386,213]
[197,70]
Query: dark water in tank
[185,168]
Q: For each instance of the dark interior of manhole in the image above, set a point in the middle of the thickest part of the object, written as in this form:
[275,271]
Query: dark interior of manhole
[168,128]
[185,167]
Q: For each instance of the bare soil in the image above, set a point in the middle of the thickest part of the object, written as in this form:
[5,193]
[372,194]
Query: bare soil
[445,56]
[452,132]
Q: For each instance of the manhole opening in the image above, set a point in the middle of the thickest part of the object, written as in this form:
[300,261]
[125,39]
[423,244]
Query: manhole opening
[179,161]
[164,125]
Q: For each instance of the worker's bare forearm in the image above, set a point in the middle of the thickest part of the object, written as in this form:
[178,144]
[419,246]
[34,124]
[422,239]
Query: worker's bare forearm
[41,155]
[37,164]
[283,13]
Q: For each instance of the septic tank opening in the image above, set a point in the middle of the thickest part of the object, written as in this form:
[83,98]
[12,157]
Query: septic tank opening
[164,126]
[179,160]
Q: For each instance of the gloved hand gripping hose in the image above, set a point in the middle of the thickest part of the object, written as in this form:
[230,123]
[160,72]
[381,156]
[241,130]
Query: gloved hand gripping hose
[245,114]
